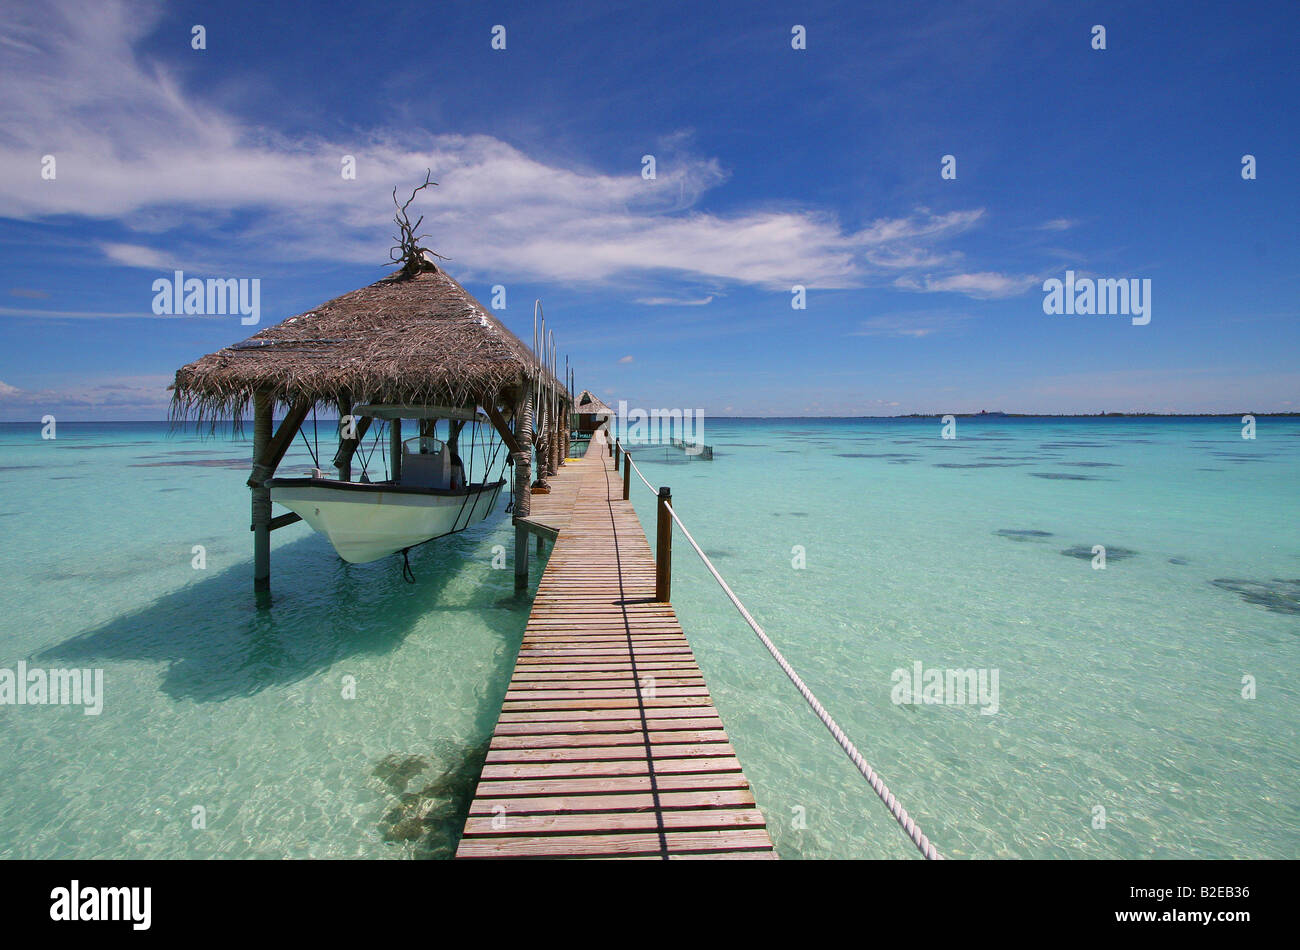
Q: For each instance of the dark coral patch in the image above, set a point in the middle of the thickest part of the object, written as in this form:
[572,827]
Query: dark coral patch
[979,464]
[1023,534]
[1279,596]
[1113,552]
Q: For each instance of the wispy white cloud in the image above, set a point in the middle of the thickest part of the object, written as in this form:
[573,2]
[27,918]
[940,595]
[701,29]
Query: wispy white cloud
[33,313]
[135,255]
[1058,224]
[983,284]
[140,397]
[133,146]
[675,301]
[920,323]
[625,359]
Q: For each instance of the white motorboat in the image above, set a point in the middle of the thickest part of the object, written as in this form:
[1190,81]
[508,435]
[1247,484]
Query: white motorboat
[367,520]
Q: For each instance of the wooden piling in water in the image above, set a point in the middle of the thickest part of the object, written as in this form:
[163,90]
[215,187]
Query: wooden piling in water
[523,459]
[343,461]
[262,405]
[395,449]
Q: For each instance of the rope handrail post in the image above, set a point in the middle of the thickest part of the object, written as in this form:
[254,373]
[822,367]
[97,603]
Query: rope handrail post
[627,476]
[664,547]
[618,447]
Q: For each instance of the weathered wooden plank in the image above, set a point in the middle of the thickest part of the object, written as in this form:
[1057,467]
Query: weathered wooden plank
[570,740]
[634,702]
[638,752]
[648,718]
[505,822]
[642,766]
[622,845]
[532,727]
[609,784]
[626,802]
[580,693]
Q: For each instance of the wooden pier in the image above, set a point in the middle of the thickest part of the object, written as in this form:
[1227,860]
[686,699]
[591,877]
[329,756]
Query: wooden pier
[608,745]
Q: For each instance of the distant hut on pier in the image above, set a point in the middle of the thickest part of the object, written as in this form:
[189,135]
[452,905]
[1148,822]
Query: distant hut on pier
[590,413]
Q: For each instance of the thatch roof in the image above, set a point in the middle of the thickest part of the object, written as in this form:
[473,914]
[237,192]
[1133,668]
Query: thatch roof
[408,340]
[590,404]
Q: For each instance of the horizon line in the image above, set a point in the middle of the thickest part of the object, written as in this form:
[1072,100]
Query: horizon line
[907,415]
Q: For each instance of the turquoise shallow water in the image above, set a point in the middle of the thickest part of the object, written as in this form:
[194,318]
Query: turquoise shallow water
[1119,688]
[210,702]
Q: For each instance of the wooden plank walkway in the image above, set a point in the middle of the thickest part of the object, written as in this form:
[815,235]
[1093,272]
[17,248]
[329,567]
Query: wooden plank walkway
[550,513]
[608,744]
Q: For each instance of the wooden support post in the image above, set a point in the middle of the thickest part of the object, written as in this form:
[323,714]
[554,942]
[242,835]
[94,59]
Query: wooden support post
[617,450]
[664,548]
[395,448]
[454,429]
[268,450]
[627,476]
[521,449]
[262,405]
[521,557]
[553,445]
[342,460]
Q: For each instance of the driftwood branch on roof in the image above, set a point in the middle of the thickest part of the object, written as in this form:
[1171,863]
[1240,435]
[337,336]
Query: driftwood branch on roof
[407,251]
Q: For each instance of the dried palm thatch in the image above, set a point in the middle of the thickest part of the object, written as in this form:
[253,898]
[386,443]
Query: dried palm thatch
[411,338]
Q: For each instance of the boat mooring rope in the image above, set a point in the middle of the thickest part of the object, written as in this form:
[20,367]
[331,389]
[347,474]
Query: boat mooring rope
[315,438]
[877,784]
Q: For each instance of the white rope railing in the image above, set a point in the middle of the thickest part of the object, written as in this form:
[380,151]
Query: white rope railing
[654,491]
[877,784]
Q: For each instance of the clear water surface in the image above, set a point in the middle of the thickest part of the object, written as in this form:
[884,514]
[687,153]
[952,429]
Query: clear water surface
[228,730]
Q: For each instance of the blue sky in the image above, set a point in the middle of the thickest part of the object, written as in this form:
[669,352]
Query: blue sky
[775,167]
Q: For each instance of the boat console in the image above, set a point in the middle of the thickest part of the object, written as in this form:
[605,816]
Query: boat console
[428,463]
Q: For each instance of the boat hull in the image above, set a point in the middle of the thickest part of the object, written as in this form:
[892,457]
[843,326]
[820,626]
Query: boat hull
[367,521]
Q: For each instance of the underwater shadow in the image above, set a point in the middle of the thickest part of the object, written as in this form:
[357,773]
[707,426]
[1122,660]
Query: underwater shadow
[217,643]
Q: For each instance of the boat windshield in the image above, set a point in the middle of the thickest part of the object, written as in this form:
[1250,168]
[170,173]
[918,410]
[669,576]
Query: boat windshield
[423,445]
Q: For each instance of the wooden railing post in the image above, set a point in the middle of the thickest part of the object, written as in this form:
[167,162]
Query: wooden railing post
[627,476]
[664,548]
[395,449]
[263,406]
[618,448]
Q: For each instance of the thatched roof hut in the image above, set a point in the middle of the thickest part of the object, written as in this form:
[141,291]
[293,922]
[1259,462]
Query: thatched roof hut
[414,341]
[590,412]
[407,340]
[590,403]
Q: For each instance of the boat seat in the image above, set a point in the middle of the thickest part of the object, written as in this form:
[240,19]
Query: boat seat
[427,469]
